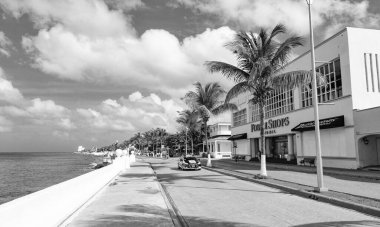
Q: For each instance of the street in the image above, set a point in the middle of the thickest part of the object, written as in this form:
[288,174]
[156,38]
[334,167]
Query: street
[205,198]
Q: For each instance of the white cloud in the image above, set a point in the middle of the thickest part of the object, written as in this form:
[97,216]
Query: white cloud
[135,113]
[89,17]
[46,109]
[22,110]
[156,61]
[96,43]
[8,93]
[5,44]
[249,14]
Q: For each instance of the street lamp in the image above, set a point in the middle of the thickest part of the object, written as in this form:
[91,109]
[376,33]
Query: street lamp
[186,141]
[320,187]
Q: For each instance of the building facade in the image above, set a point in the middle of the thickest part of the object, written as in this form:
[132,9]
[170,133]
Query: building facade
[218,143]
[349,107]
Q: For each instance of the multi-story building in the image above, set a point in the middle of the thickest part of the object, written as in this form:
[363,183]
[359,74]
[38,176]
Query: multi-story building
[349,107]
[218,144]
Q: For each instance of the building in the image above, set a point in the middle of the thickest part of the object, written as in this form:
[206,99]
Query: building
[218,143]
[349,107]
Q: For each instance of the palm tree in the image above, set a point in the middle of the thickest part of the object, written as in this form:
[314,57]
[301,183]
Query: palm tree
[261,60]
[190,120]
[207,101]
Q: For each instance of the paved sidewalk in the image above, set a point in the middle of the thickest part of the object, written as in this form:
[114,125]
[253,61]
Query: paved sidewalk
[133,199]
[360,183]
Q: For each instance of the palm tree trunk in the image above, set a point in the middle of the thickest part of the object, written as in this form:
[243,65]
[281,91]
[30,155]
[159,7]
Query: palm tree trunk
[263,168]
[192,145]
[207,150]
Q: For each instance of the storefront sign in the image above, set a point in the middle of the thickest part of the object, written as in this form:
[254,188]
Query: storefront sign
[271,124]
[332,122]
[269,132]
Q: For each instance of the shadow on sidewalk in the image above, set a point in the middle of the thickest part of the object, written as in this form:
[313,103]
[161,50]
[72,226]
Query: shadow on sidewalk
[233,189]
[147,215]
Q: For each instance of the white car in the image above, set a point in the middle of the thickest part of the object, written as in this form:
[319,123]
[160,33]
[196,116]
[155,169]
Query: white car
[191,163]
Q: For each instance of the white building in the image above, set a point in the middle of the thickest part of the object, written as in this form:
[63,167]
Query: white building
[350,123]
[218,144]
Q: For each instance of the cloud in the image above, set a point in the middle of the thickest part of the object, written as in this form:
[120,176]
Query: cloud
[8,93]
[133,113]
[18,109]
[126,5]
[96,42]
[250,14]
[46,109]
[87,17]
[5,45]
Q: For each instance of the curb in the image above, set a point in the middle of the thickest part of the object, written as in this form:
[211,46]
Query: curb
[175,214]
[311,195]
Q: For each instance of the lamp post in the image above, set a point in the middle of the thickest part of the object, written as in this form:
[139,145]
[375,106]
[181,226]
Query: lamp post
[321,186]
[186,141]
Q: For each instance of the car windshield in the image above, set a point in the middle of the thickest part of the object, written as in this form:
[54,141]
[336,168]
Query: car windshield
[191,158]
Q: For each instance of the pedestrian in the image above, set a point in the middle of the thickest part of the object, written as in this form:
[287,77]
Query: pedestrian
[236,158]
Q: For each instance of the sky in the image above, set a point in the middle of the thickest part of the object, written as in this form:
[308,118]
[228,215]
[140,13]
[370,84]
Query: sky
[90,72]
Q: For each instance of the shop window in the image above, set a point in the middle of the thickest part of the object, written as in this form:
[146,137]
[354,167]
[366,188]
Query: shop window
[240,117]
[279,102]
[329,91]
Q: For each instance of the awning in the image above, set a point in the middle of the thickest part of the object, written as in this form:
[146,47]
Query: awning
[332,122]
[238,136]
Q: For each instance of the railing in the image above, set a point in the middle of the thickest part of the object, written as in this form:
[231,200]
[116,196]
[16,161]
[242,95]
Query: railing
[55,204]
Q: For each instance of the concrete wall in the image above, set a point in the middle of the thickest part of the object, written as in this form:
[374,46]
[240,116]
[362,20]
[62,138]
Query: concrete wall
[367,121]
[368,153]
[53,205]
[242,147]
[335,142]
[364,41]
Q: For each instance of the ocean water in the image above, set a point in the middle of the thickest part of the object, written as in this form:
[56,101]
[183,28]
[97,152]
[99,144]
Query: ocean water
[25,173]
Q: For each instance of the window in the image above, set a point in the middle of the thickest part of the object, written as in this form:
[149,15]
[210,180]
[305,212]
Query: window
[330,91]
[279,102]
[240,117]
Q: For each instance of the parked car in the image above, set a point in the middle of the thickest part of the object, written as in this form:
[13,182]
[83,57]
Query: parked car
[189,163]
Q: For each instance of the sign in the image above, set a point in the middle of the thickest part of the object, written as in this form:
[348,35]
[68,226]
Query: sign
[271,124]
[332,122]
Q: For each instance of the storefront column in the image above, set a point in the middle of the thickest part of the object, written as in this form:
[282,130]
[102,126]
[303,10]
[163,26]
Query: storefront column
[267,147]
[290,148]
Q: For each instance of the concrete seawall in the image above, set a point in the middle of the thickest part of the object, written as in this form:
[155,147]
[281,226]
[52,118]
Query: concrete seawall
[53,205]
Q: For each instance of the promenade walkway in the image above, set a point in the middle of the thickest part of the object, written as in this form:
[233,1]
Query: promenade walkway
[354,182]
[133,199]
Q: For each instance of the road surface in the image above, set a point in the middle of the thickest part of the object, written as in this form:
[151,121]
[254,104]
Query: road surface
[205,198]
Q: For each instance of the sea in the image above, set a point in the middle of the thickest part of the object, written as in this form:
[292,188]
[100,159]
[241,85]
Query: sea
[25,173]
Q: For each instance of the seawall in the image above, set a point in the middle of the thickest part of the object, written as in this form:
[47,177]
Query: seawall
[53,205]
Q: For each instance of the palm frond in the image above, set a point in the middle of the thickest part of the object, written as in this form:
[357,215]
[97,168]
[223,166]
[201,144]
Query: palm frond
[278,29]
[281,56]
[204,112]
[236,90]
[290,80]
[223,108]
[229,71]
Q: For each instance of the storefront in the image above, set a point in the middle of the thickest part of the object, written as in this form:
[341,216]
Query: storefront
[349,107]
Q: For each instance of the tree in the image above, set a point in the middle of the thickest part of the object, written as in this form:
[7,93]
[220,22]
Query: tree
[207,101]
[190,120]
[260,62]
